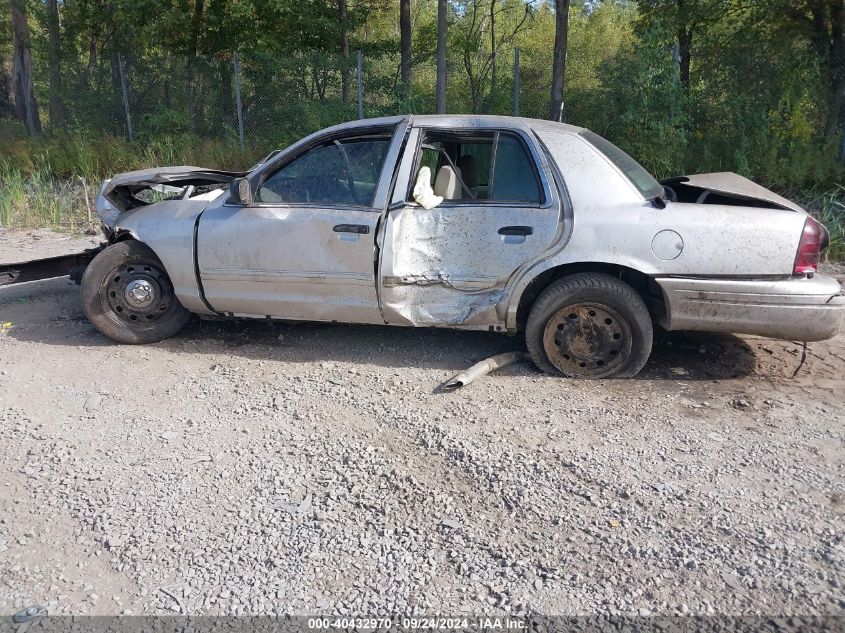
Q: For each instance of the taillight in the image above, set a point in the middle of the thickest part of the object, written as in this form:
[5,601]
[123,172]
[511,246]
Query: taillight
[814,239]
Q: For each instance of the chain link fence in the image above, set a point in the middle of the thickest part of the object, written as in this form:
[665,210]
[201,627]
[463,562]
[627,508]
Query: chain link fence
[253,99]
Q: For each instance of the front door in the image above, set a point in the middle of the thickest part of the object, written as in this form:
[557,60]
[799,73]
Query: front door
[305,248]
[449,265]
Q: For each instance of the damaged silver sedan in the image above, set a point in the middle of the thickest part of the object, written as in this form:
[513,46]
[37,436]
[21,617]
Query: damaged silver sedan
[471,222]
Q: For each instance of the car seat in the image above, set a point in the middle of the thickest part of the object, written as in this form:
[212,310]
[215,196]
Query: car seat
[446,183]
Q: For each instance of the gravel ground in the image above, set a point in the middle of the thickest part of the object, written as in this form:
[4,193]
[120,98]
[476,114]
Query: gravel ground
[247,468]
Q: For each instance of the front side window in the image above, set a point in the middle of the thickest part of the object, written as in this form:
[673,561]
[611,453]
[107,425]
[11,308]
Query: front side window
[340,171]
[480,166]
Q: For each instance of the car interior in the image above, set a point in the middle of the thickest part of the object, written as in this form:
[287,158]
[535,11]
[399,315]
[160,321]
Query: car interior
[479,166]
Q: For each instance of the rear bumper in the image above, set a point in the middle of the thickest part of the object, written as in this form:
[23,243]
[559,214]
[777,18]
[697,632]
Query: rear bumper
[803,309]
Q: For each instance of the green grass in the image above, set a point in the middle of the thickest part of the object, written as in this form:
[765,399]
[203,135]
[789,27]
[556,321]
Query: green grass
[38,199]
[41,179]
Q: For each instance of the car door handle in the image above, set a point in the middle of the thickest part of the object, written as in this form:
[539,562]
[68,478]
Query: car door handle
[516,230]
[361,229]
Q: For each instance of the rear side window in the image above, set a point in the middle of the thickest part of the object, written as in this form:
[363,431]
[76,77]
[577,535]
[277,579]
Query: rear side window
[514,178]
[636,173]
[480,167]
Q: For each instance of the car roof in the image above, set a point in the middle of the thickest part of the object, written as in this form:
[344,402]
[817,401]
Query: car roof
[481,121]
[489,121]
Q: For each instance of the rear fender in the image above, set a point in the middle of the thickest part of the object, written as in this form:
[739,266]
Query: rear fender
[682,239]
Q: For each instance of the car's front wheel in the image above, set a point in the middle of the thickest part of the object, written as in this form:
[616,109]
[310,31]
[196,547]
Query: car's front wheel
[127,295]
[589,325]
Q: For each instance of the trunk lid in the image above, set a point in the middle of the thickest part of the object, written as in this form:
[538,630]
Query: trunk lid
[727,188]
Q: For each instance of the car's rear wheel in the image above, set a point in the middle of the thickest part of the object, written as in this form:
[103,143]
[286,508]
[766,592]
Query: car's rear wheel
[127,295]
[589,325]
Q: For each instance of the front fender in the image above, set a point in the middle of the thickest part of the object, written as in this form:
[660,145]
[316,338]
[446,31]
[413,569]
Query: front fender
[168,228]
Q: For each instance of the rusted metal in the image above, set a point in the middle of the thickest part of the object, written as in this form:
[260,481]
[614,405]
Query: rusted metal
[586,339]
[482,369]
[47,268]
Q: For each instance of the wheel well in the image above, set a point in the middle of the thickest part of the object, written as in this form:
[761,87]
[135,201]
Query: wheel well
[645,286]
[126,236]
[122,236]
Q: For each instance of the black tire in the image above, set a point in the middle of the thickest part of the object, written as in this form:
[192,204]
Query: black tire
[589,325]
[127,295]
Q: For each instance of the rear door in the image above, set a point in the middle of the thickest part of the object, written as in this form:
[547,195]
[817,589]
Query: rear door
[305,249]
[449,265]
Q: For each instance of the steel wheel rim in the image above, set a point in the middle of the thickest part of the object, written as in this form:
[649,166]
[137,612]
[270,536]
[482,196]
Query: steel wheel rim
[587,339]
[138,295]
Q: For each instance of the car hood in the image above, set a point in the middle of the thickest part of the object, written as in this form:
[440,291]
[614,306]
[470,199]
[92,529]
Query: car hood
[731,184]
[119,193]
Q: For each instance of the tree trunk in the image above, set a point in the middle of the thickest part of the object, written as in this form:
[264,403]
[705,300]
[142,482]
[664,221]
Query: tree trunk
[56,105]
[26,108]
[559,59]
[6,97]
[441,56]
[493,49]
[343,15]
[837,70]
[92,57]
[405,38]
[685,53]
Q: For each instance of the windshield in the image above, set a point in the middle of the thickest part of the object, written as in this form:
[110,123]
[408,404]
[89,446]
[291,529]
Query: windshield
[636,173]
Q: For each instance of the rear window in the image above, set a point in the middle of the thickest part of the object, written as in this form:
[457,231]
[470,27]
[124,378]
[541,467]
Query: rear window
[636,173]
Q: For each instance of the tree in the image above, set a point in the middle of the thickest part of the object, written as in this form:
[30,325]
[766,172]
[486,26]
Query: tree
[685,29]
[26,108]
[690,20]
[492,45]
[405,44]
[559,59]
[441,56]
[343,14]
[479,59]
[823,23]
[56,104]
[196,29]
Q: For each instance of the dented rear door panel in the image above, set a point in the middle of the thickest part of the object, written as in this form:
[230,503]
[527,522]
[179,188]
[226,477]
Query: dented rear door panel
[449,266]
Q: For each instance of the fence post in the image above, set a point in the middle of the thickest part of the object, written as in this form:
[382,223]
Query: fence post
[842,148]
[516,79]
[360,85]
[125,89]
[237,68]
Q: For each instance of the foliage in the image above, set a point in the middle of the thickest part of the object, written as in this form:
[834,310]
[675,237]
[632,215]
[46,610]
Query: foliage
[42,179]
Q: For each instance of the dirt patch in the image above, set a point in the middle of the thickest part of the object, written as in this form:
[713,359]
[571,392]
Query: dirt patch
[254,468]
[18,245]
